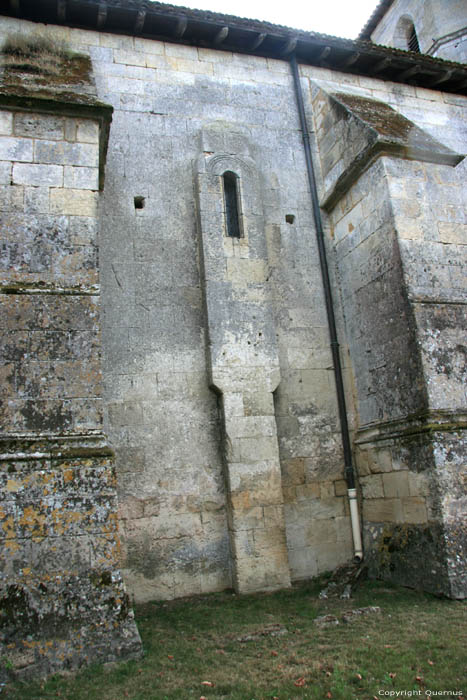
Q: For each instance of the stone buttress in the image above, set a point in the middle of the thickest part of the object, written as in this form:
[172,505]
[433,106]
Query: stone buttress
[62,599]
[242,357]
[394,198]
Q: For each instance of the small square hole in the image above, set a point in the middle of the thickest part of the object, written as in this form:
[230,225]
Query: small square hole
[290,218]
[139,202]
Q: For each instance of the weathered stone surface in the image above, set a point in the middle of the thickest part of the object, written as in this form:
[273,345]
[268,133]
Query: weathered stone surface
[62,598]
[326,621]
[243,360]
[242,484]
[16,149]
[81,178]
[74,202]
[6,123]
[369,128]
[66,153]
[402,299]
[37,175]
[48,126]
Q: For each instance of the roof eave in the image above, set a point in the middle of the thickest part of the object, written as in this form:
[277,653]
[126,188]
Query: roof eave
[227,33]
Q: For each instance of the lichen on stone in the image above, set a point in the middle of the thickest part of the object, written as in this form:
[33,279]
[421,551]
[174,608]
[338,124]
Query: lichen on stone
[45,67]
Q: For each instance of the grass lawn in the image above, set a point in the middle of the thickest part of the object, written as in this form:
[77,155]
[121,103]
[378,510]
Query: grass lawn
[268,646]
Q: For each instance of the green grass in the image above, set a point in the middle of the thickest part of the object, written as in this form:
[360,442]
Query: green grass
[417,643]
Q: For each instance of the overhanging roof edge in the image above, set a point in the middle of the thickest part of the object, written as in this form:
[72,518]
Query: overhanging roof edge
[346,55]
[376,16]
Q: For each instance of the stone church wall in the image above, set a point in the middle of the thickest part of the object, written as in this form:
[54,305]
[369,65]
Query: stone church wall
[178,536]
[163,410]
[161,416]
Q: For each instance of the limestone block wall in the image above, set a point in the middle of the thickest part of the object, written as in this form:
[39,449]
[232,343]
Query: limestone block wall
[161,415]
[161,369]
[431,215]
[62,598]
[49,245]
[399,276]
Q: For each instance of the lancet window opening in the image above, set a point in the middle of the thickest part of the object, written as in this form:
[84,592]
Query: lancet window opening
[232,204]
[413,40]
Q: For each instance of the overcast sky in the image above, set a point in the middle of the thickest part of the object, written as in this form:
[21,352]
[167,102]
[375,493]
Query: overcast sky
[343,18]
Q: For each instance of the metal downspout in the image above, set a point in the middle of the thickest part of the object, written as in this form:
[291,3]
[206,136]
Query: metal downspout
[349,469]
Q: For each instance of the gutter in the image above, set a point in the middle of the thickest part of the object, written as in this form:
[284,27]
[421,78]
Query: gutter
[349,469]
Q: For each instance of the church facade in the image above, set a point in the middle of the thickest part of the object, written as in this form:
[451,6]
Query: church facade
[233,313]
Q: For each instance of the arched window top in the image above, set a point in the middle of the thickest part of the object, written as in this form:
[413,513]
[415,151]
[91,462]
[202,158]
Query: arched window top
[231,202]
[230,176]
[405,35]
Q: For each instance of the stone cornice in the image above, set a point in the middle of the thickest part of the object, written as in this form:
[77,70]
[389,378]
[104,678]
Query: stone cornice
[431,421]
[27,446]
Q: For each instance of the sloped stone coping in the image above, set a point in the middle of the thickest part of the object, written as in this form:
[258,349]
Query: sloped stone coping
[377,130]
[70,93]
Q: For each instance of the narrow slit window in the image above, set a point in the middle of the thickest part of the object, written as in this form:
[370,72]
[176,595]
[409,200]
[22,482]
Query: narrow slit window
[232,218]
